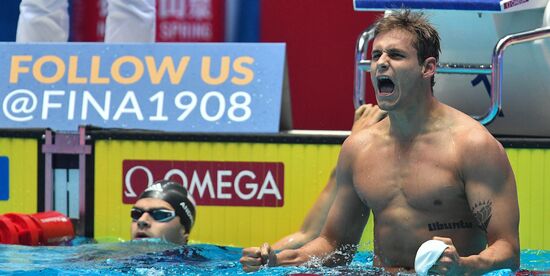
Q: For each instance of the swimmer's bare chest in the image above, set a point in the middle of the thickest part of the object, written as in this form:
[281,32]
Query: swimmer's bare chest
[422,175]
[412,190]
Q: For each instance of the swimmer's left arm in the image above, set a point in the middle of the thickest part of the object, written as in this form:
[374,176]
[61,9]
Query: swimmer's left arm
[491,192]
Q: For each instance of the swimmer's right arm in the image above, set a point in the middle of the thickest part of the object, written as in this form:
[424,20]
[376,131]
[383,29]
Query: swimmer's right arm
[314,221]
[345,222]
[342,230]
[365,116]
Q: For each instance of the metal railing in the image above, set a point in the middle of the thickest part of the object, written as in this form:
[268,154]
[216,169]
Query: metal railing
[494,69]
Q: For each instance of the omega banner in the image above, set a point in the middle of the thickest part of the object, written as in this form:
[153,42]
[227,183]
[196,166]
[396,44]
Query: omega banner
[186,87]
[210,182]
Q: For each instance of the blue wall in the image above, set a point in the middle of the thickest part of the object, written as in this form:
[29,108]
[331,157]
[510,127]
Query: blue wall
[8,19]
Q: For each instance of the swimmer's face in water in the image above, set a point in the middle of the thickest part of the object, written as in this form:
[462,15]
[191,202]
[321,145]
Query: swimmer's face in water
[164,227]
[396,73]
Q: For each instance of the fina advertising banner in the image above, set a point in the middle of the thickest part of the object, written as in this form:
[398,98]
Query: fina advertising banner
[187,87]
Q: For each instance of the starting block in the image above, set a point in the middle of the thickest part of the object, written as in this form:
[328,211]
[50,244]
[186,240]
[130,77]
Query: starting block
[464,5]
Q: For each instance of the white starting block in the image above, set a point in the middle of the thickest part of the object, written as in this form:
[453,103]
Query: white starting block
[474,37]
[464,5]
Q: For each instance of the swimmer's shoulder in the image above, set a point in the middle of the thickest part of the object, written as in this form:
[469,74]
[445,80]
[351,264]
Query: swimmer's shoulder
[464,124]
[363,140]
[474,138]
[367,135]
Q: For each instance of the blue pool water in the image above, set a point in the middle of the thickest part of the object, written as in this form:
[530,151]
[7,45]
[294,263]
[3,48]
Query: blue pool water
[153,257]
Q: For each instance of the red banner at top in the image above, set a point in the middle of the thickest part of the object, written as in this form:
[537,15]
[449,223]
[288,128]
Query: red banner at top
[210,183]
[190,20]
[176,21]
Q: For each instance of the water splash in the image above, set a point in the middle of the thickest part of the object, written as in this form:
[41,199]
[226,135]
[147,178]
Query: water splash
[155,257]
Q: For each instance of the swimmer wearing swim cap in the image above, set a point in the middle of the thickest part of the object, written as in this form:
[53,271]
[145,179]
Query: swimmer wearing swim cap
[164,210]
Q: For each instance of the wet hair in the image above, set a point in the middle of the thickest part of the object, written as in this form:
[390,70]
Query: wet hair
[426,39]
[177,196]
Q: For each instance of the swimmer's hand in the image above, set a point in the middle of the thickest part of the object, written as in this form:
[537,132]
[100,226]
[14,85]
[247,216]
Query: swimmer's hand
[268,255]
[255,257]
[449,262]
[251,259]
[366,116]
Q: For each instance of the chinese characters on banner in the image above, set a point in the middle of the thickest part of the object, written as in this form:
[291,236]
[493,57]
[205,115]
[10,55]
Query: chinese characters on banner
[177,20]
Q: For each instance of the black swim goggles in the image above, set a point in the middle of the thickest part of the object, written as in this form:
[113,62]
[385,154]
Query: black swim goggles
[160,215]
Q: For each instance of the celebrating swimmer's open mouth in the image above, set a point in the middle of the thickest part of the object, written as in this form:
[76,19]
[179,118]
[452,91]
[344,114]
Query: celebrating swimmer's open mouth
[385,85]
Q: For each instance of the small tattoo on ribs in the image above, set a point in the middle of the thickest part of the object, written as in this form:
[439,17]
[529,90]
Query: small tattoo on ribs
[435,226]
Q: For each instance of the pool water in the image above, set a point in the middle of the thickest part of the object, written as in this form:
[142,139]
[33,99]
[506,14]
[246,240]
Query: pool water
[154,257]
